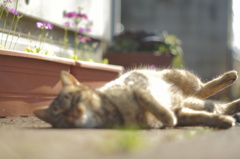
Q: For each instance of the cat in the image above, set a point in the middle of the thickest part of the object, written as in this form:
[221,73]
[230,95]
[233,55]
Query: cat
[145,98]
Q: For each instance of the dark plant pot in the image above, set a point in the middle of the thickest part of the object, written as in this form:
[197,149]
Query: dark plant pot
[30,80]
[129,60]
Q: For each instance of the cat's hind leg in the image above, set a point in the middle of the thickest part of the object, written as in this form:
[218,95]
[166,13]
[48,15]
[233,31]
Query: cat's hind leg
[148,102]
[189,117]
[205,105]
[216,84]
[231,108]
[213,106]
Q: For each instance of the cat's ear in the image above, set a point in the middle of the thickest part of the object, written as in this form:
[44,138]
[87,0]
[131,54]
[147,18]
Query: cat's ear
[68,79]
[42,113]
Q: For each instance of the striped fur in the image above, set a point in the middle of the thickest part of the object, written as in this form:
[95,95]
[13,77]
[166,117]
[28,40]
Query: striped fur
[144,98]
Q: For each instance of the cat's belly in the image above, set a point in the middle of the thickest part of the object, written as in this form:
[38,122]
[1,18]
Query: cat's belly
[161,92]
[132,113]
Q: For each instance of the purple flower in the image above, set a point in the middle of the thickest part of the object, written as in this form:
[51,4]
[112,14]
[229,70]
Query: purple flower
[13,11]
[68,24]
[9,1]
[152,67]
[44,25]
[83,30]
[76,15]
[81,15]
[84,39]
[96,43]
[71,14]
[88,38]
[81,38]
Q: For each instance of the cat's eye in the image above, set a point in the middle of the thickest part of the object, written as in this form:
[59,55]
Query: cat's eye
[66,96]
[55,108]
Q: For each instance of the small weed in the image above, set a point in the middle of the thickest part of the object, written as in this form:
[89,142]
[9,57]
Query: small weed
[193,133]
[125,141]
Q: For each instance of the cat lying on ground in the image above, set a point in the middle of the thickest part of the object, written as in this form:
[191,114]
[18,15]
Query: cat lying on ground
[144,98]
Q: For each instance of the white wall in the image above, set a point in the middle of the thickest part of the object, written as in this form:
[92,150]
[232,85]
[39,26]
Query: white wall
[98,11]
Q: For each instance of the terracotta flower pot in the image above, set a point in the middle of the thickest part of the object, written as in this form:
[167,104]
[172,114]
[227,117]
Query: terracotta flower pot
[31,80]
[95,74]
[129,60]
[28,81]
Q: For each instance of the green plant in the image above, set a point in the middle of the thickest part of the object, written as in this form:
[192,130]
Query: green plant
[195,132]
[143,42]
[146,42]
[125,141]
[124,45]
[42,37]
[83,45]
[5,10]
[170,44]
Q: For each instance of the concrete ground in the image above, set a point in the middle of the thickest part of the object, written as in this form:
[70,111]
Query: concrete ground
[30,138]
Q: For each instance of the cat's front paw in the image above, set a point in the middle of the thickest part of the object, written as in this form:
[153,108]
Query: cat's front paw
[226,122]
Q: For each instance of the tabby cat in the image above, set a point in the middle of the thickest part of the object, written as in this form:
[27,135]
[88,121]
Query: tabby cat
[142,97]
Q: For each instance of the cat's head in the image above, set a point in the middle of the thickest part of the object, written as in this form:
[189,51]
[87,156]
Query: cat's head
[75,106]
